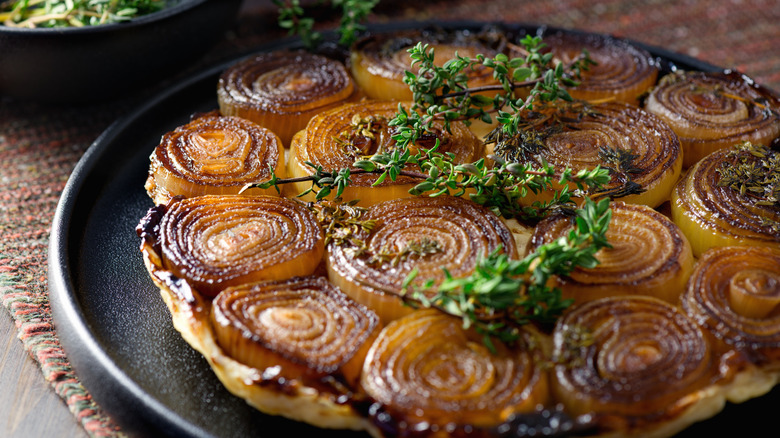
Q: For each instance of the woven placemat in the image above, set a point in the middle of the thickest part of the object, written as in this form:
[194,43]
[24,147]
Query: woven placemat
[40,145]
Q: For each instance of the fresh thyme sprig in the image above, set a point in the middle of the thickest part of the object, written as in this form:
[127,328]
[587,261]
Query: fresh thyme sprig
[442,93]
[353,12]
[503,294]
[498,187]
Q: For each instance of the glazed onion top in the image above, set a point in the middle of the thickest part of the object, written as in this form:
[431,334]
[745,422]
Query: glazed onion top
[425,369]
[727,199]
[630,356]
[622,71]
[305,320]
[638,147]
[707,106]
[211,153]
[220,241]
[734,292]
[422,233]
[336,138]
[649,255]
[386,55]
[285,82]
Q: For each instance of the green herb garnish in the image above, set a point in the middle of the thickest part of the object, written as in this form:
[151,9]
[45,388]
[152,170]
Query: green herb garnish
[75,13]
[503,294]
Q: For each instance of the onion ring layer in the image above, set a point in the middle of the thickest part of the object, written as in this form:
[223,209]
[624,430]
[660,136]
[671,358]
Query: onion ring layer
[715,203]
[216,156]
[622,71]
[734,293]
[337,138]
[420,233]
[426,370]
[712,111]
[639,149]
[637,358]
[218,241]
[649,256]
[283,90]
[379,62]
[304,325]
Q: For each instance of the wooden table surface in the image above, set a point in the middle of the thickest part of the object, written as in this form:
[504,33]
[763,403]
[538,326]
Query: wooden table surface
[29,408]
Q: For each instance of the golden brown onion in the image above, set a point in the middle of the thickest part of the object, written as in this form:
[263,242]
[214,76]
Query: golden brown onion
[305,326]
[422,233]
[216,156]
[282,90]
[712,111]
[427,372]
[337,138]
[622,72]
[639,149]
[734,292]
[379,62]
[649,256]
[218,241]
[639,359]
[726,199]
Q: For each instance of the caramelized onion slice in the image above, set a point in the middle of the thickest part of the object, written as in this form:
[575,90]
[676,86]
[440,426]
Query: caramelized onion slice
[622,72]
[218,241]
[282,90]
[712,111]
[734,292]
[639,149]
[337,138]
[421,233]
[721,201]
[305,326]
[379,62]
[426,371]
[216,156]
[639,359]
[649,256]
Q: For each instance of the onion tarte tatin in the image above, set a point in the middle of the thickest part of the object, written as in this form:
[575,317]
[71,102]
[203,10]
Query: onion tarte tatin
[302,307]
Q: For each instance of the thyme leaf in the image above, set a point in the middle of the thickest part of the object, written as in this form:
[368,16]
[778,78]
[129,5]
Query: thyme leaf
[442,93]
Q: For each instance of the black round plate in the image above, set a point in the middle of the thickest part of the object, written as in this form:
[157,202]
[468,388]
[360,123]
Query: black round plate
[116,329]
